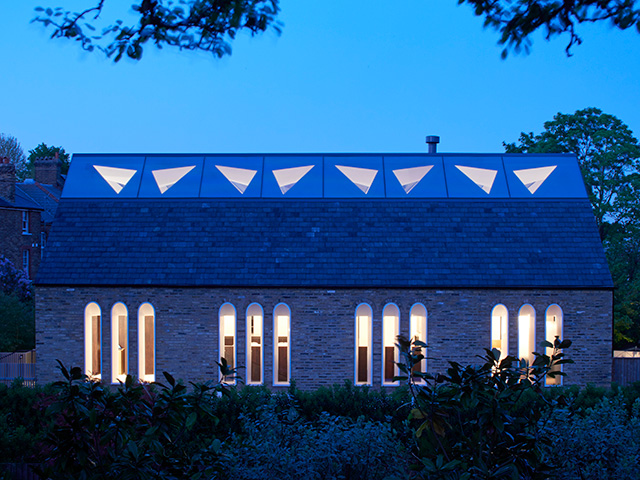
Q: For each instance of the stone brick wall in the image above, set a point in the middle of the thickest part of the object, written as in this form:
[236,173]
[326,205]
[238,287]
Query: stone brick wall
[322,328]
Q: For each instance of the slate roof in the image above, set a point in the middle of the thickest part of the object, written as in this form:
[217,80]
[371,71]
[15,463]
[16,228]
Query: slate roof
[46,196]
[431,243]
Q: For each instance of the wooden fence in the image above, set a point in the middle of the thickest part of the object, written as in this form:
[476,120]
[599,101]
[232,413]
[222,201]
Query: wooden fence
[626,367]
[18,365]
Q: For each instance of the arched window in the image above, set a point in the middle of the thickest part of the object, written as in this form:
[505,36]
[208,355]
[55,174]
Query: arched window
[390,329]
[92,341]
[526,333]
[553,330]
[119,342]
[419,332]
[500,330]
[282,346]
[147,342]
[227,317]
[363,344]
[255,320]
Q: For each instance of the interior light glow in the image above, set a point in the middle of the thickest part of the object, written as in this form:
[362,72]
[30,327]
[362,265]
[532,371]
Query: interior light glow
[363,331]
[288,177]
[533,178]
[117,178]
[283,326]
[361,177]
[410,177]
[482,177]
[238,177]
[524,336]
[389,334]
[168,177]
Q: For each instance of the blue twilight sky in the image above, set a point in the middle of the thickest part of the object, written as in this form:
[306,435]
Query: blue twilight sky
[344,76]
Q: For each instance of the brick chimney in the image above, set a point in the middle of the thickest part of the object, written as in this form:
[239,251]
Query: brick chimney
[47,170]
[7,180]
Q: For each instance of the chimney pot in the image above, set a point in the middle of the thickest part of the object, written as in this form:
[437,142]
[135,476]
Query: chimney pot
[433,141]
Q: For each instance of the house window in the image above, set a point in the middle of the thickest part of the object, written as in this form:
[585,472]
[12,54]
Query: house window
[282,347]
[26,262]
[390,330]
[553,330]
[92,341]
[255,337]
[227,319]
[418,329]
[526,333]
[363,344]
[25,222]
[119,343]
[147,343]
[500,330]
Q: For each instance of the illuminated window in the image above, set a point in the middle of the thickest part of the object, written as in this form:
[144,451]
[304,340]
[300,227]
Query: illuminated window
[500,330]
[361,177]
[255,322]
[25,222]
[288,177]
[390,329]
[553,330]
[410,177]
[282,347]
[482,177]
[168,177]
[92,341]
[526,333]
[533,178]
[117,178]
[363,345]
[419,332]
[147,343]
[228,337]
[119,343]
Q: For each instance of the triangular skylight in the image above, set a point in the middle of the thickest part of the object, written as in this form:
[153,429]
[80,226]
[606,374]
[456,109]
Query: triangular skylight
[361,177]
[239,177]
[117,178]
[410,177]
[483,177]
[532,178]
[288,177]
[168,177]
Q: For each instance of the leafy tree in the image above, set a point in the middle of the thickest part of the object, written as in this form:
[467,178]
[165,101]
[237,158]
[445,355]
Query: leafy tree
[17,309]
[609,157]
[10,147]
[608,154]
[210,25]
[517,20]
[204,25]
[44,151]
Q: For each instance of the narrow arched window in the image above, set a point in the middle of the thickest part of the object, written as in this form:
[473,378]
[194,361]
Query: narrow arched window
[255,321]
[500,330]
[147,342]
[553,331]
[119,342]
[418,329]
[282,344]
[227,317]
[363,344]
[390,329]
[526,333]
[92,341]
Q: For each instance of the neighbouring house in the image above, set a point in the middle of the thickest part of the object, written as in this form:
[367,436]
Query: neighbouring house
[27,210]
[306,267]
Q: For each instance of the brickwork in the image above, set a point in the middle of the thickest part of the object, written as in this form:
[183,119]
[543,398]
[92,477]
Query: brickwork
[322,328]
[13,241]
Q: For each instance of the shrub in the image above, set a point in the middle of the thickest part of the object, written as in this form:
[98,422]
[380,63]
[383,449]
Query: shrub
[482,421]
[283,445]
[600,442]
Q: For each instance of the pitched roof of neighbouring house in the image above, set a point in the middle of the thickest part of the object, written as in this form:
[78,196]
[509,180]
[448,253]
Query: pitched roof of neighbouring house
[46,196]
[350,234]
